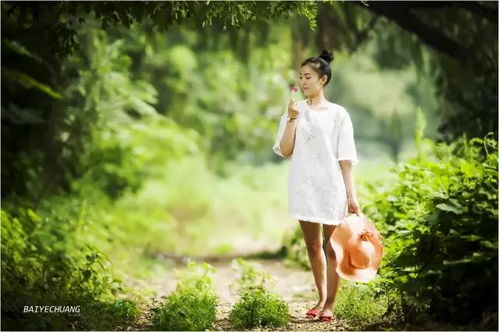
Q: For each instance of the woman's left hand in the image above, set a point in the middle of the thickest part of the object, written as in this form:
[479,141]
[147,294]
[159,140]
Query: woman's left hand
[353,205]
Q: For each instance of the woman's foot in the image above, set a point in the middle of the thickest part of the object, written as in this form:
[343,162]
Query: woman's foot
[326,315]
[316,310]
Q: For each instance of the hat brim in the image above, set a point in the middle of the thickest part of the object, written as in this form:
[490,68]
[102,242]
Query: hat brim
[345,241]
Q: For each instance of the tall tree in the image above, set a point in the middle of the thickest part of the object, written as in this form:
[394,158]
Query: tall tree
[37,37]
[463,35]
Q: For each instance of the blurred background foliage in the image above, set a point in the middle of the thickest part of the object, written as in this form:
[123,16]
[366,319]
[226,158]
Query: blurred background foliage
[145,128]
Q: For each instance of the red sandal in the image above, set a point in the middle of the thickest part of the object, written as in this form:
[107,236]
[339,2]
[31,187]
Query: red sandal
[313,313]
[324,318]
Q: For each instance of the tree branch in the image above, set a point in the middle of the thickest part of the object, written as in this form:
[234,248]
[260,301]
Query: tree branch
[360,36]
[399,13]
[471,6]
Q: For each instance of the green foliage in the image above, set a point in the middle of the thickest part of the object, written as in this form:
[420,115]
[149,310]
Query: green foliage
[439,219]
[63,37]
[29,82]
[43,265]
[110,103]
[134,61]
[192,306]
[236,121]
[464,74]
[384,119]
[363,307]
[114,169]
[252,275]
[116,314]
[171,205]
[58,141]
[296,249]
[257,307]
[438,216]
[93,116]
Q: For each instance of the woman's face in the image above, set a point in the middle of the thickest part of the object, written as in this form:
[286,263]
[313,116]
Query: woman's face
[309,81]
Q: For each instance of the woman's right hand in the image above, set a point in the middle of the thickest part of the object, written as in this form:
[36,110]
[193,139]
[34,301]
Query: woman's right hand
[293,110]
[353,205]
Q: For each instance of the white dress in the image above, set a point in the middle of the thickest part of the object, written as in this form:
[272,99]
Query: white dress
[316,189]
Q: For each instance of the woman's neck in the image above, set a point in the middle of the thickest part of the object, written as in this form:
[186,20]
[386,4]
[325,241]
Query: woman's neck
[316,100]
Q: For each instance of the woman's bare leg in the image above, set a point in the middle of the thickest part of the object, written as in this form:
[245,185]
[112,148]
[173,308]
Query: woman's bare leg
[333,279]
[317,257]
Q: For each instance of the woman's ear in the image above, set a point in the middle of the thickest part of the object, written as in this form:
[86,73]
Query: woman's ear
[324,79]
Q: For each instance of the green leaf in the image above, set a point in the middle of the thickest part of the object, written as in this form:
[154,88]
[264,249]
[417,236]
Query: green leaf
[29,82]
[471,237]
[489,244]
[449,208]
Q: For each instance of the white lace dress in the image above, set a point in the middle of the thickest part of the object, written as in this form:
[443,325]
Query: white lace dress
[316,189]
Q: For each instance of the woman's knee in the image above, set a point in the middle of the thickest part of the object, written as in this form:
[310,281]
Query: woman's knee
[314,247]
[312,236]
[330,251]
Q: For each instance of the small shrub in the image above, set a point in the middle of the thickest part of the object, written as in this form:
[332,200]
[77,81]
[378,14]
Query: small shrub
[257,307]
[43,265]
[362,306]
[192,306]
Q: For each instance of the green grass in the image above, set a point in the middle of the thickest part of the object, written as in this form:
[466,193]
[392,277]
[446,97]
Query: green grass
[192,306]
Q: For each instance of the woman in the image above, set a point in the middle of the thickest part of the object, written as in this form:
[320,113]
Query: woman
[317,135]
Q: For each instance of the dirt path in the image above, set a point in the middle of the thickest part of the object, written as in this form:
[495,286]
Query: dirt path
[296,286]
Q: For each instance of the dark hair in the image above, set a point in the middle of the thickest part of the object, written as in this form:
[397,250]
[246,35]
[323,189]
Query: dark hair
[321,64]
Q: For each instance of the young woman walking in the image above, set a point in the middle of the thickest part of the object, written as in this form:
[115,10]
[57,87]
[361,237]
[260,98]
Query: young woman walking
[317,135]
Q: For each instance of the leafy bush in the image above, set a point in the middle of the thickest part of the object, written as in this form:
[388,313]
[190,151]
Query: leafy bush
[440,225]
[42,266]
[192,306]
[257,307]
[296,250]
[363,306]
[113,168]
[438,216]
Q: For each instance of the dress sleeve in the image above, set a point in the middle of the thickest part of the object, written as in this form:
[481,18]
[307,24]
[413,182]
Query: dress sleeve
[346,144]
[280,133]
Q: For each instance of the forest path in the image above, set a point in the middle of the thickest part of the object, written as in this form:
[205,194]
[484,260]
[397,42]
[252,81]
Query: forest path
[296,286]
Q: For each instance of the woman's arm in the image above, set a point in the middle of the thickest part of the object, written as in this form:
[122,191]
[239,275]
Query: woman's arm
[287,143]
[347,171]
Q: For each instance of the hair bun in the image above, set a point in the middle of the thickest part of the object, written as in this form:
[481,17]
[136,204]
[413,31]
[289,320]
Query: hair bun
[326,55]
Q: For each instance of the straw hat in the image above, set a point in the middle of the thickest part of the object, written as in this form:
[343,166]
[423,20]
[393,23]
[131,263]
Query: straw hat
[358,248]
